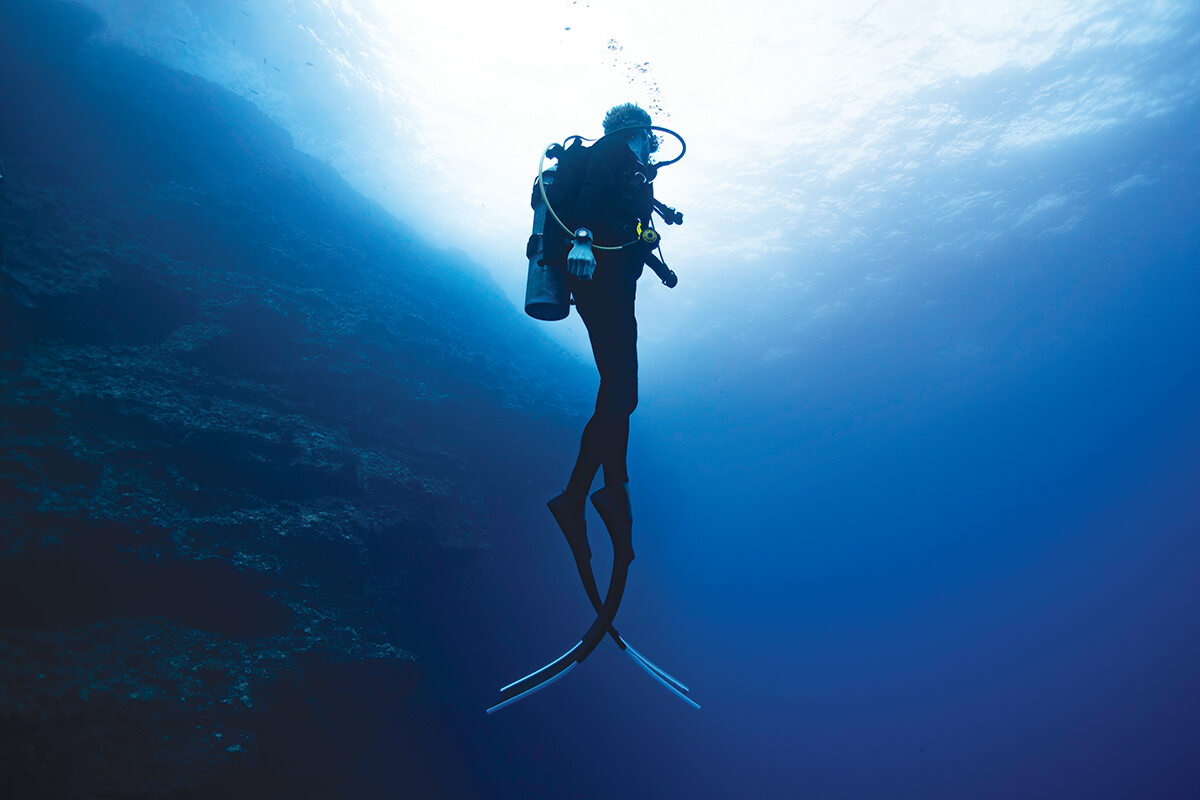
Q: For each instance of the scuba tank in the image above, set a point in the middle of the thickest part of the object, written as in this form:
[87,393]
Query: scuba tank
[546,294]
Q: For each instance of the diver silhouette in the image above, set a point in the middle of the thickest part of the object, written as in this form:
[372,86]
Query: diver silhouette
[605,194]
[615,197]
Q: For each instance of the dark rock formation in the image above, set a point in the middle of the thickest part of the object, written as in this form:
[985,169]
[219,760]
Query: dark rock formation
[237,402]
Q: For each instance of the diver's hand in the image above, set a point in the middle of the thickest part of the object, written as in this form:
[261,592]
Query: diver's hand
[580,261]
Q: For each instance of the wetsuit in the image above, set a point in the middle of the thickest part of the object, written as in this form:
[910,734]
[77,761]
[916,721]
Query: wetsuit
[613,198]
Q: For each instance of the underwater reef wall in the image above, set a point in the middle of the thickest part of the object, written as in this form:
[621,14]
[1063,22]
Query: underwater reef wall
[241,406]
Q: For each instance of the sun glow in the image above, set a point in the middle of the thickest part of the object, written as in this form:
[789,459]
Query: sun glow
[808,123]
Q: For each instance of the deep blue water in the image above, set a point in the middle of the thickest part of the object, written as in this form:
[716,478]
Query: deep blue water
[948,548]
[889,577]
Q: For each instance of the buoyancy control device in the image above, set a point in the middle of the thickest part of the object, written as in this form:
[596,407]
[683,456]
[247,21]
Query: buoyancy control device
[547,296]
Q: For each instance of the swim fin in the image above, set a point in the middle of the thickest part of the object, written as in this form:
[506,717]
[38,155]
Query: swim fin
[613,505]
[615,510]
[571,521]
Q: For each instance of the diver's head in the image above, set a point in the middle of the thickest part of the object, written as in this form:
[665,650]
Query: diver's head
[634,123]
[626,115]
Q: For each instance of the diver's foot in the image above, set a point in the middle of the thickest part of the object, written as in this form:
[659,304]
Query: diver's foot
[615,508]
[568,512]
[613,501]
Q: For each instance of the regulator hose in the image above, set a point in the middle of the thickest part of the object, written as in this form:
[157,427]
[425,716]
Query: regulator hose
[542,185]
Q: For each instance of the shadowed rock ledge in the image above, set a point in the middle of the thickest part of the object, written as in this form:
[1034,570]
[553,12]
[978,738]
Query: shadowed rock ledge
[240,407]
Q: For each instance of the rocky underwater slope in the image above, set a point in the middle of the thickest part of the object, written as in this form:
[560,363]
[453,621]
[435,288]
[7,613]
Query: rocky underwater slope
[241,407]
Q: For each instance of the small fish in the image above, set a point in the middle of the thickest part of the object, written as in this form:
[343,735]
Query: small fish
[180,40]
[309,63]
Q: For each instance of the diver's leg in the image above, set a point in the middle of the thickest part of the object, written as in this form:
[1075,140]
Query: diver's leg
[618,396]
[591,456]
[605,312]
[606,305]
[616,401]
[600,305]
[568,507]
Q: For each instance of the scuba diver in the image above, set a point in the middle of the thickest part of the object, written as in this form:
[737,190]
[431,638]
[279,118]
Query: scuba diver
[600,201]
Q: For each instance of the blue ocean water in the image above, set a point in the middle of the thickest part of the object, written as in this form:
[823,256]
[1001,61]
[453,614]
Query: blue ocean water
[886,575]
[940,545]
